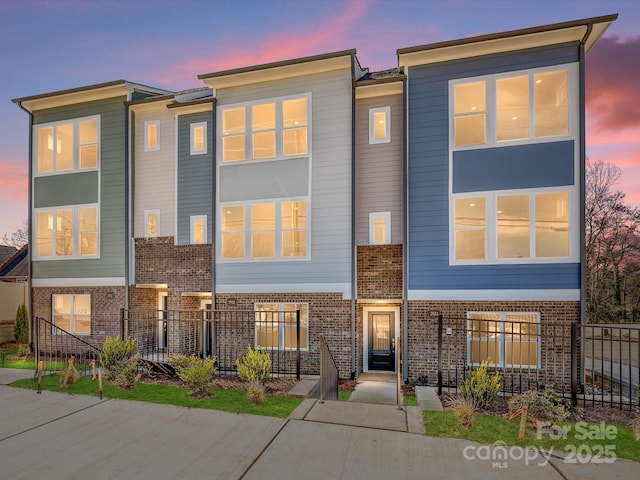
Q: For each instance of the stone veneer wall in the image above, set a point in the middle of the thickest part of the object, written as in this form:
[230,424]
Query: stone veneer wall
[379,271]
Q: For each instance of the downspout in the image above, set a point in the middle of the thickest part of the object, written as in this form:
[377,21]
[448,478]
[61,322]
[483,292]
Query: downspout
[127,209]
[353,221]
[29,220]
[405,233]
[214,201]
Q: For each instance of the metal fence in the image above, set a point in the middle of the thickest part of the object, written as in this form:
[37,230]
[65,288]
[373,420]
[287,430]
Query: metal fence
[55,346]
[329,382]
[590,364]
[223,334]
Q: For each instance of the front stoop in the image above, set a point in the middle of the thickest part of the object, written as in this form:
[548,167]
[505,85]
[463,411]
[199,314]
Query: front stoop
[427,398]
[306,388]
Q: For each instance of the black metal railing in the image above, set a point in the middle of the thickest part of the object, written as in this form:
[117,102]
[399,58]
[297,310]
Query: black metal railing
[54,346]
[329,381]
[223,334]
[590,364]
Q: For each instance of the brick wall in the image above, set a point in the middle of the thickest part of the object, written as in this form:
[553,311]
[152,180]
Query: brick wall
[379,271]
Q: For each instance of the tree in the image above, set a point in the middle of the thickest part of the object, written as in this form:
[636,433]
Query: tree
[21,327]
[18,238]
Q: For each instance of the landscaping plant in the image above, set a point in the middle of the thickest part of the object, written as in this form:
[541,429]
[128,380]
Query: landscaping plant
[195,372]
[464,408]
[254,365]
[480,386]
[21,327]
[544,406]
[119,359]
[255,392]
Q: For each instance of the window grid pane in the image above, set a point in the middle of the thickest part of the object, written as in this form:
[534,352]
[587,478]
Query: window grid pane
[513,226]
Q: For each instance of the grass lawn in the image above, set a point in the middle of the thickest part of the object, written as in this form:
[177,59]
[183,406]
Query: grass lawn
[581,439]
[234,401]
[344,396]
[409,401]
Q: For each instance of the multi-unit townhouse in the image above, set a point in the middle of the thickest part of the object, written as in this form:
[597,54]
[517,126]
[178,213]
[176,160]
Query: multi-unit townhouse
[367,200]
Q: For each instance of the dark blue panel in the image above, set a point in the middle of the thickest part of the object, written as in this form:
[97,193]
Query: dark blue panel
[520,166]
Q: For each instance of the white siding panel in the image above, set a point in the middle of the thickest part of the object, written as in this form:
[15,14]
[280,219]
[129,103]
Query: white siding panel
[155,174]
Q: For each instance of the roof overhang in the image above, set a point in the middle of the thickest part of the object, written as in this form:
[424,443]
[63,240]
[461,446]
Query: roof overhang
[588,30]
[279,70]
[379,88]
[88,93]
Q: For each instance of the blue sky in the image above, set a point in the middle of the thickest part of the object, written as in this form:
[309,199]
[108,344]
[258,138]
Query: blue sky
[52,45]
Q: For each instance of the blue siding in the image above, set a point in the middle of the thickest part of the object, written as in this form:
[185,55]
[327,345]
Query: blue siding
[521,166]
[428,250]
[195,177]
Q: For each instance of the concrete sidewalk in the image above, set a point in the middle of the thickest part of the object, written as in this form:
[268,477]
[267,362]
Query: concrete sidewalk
[62,436]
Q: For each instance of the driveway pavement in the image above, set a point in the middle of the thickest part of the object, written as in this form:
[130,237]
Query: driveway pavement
[62,436]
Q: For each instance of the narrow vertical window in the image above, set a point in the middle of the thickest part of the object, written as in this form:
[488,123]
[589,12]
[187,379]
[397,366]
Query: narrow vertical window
[379,228]
[88,229]
[512,108]
[232,232]
[379,125]
[151,135]
[551,103]
[470,228]
[198,138]
[470,113]
[294,126]
[233,134]
[294,229]
[552,224]
[264,130]
[513,226]
[198,229]
[263,235]
[152,223]
[88,144]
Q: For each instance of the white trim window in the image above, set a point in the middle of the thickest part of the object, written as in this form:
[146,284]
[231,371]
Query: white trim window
[151,135]
[380,125]
[198,229]
[514,107]
[270,230]
[379,228]
[72,313]
[198,138]
[152,223]
[506,339]
[66,232]
[275,326]
[520,226]
[67,147]
[265,130]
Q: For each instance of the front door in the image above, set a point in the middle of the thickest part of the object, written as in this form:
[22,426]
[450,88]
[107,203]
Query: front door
[381,341]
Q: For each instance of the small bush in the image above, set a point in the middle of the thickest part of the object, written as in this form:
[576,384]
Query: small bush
[542,406]
[21,327]
[254,365]
[120,360]
[23,351]
[464,408]
[635,424]
[195,372]
[255,392]
[69,375]
[480,386]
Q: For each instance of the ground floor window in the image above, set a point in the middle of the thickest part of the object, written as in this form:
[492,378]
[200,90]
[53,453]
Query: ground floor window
[72,313]
[276,326]
[507,339]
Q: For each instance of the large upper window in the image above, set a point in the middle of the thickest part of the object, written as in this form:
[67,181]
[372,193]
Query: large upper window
[68,146]
[276,325]
[66,232]
[269,230]
[529,105]
[72,313]
[498,227]
[507,339]
[265,130]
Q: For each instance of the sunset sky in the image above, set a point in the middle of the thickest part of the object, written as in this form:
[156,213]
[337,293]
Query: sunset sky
[48,45]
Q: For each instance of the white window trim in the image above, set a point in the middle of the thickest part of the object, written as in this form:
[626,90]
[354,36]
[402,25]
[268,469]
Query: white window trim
[491,239]
[387,136]
[490,105]
[372,217]
[248,132]
[278,231]
[281,327]
[75,212]
[502,339]
[72,314]
[192,148]
[147,148]
[146,223]
[76,147]
[192,222]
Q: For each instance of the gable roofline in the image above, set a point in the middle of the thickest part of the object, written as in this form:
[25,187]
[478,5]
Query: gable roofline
[277,70]
[588,30]
[86,93]
[14,261]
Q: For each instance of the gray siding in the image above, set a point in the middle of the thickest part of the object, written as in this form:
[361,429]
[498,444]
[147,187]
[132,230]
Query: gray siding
[195,177]
[112,192]
[428,251]
[378,169]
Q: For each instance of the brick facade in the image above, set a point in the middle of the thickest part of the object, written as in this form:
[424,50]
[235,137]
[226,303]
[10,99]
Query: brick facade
[379,271]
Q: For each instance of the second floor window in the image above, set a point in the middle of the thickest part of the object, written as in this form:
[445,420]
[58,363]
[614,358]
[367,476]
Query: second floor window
[68,146]
[66,232]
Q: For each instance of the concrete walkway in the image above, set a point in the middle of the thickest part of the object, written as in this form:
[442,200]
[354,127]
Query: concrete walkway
[62,436]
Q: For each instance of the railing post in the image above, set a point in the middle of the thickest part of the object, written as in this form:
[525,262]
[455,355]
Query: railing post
[37,340]
[122,337]
[574,364]
[439,354]
[203,335]
[297,344]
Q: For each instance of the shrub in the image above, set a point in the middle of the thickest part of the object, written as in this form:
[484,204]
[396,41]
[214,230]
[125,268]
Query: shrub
[119,359]
[23,351]
[542,406]
[635,425]
[195,372]
[480,386]
[21,327]
[255,392]
[254,365]
[464,408]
